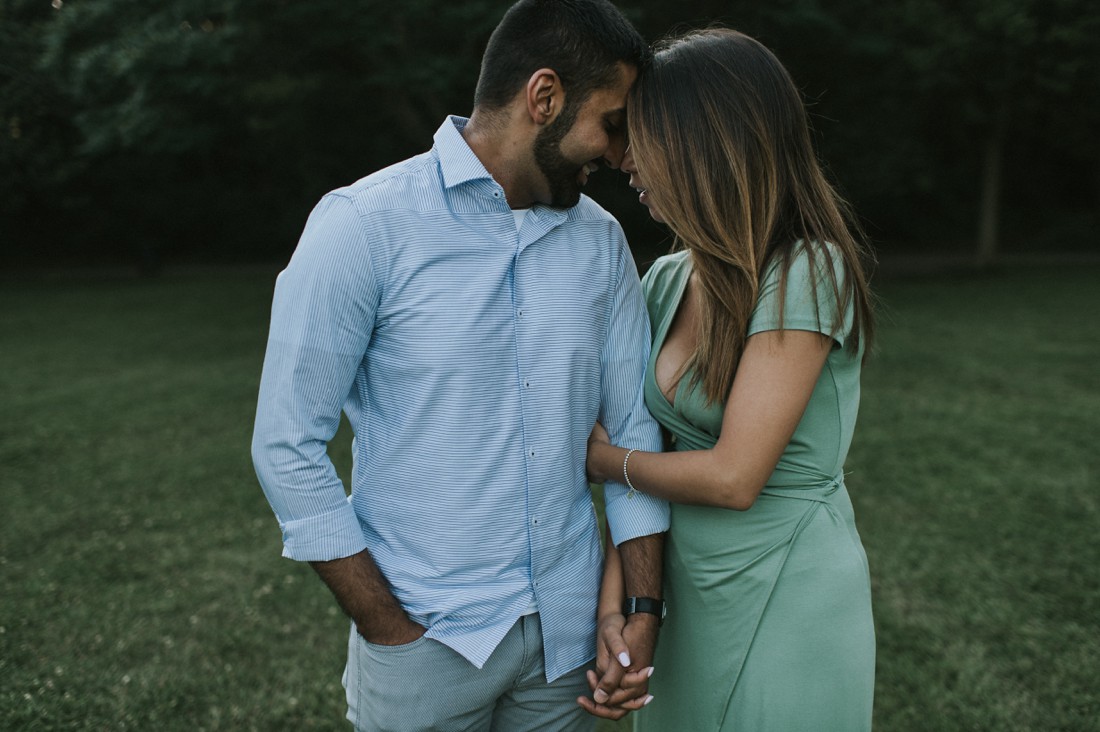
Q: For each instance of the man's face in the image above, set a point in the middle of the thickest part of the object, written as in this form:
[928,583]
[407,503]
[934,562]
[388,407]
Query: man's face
[582,138]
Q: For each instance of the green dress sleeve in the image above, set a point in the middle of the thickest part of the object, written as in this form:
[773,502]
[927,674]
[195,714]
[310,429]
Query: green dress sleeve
[811,298]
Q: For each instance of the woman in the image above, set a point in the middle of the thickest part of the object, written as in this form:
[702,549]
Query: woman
[760,324]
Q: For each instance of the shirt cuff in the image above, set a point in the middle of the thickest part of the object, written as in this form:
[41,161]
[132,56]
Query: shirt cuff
[632,515]
[332,535]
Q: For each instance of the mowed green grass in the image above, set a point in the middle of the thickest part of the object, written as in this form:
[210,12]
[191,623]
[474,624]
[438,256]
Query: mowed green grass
[141,585]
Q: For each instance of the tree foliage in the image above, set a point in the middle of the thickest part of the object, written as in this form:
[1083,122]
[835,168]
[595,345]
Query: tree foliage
[206,129]
[983,74]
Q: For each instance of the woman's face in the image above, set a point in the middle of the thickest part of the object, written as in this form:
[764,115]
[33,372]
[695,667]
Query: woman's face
[639,185]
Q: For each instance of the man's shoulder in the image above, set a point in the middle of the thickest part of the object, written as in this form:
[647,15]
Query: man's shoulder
[407,184]
[588,210]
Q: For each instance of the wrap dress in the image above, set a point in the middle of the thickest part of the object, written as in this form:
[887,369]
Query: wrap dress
[769,624]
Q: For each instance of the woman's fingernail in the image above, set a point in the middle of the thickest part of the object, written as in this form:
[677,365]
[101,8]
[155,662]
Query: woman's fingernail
[624,659]
[649,672]
[600,696]
[648,699]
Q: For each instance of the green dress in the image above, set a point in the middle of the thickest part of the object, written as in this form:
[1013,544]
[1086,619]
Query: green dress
[769,625]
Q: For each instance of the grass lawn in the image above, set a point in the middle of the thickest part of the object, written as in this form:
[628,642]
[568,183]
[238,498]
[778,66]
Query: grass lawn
[141,586]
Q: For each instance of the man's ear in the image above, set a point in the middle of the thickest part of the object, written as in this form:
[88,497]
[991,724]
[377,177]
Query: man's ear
[545,96]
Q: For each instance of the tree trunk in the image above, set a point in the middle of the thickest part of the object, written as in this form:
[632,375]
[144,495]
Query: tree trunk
[989,215]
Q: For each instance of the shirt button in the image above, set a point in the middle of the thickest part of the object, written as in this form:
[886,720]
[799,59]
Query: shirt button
[532,453]
[520,312]
[526,384]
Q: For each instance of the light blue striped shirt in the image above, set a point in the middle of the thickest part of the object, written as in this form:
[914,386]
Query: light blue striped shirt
[472,360]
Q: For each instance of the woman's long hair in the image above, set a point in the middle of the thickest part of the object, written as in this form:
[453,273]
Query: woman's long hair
[720,134]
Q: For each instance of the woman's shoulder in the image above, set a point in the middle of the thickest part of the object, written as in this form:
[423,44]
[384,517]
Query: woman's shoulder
[802,291]
[662,282]
[666,272]
[806,259]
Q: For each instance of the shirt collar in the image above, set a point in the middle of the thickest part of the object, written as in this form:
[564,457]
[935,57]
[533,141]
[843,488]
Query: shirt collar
[459,165]
[456,159]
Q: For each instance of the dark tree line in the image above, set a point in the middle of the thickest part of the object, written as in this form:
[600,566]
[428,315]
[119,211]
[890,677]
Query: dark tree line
[204,130]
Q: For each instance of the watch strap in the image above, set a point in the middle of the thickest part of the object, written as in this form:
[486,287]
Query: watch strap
[649,605]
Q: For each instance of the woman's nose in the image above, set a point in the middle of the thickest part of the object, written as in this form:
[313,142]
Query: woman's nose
[627,165]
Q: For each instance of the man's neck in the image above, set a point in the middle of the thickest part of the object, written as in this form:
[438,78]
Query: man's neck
[505,153]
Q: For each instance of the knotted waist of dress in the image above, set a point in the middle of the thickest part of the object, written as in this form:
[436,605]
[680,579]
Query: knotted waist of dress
[802,487]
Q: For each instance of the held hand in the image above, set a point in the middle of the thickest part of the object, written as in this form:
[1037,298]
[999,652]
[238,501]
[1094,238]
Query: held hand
[640,636]
[621,679]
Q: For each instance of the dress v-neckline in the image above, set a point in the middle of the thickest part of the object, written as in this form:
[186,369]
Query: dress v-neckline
[662,335]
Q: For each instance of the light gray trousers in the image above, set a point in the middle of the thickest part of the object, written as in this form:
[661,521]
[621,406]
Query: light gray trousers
[424,685]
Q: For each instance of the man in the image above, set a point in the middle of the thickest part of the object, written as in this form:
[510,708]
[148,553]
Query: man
[474,315]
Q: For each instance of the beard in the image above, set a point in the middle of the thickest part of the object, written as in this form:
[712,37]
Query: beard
[560,172]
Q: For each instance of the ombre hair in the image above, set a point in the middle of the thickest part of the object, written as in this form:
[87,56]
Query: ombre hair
[720,135]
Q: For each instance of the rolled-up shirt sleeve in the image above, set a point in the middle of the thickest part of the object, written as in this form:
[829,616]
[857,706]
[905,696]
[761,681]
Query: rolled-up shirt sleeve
[322,318]
[622,406]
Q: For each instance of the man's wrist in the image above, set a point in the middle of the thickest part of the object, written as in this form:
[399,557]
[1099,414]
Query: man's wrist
[645,620]
[392,630]
[642,607]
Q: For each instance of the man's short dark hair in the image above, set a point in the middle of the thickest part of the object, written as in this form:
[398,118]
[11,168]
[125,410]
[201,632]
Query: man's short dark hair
[582,40]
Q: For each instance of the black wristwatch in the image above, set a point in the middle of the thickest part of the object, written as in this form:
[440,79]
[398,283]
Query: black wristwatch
[649,605]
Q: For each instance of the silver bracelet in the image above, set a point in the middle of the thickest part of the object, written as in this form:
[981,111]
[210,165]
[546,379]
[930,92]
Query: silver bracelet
[626,476]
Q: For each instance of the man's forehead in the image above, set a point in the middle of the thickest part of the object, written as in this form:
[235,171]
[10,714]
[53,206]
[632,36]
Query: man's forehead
[611,100]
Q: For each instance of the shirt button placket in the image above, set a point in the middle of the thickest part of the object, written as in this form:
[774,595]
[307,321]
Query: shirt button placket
[521,314]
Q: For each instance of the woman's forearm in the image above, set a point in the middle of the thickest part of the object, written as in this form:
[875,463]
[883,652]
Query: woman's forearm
[613,587]
[775,379]
[696,477]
